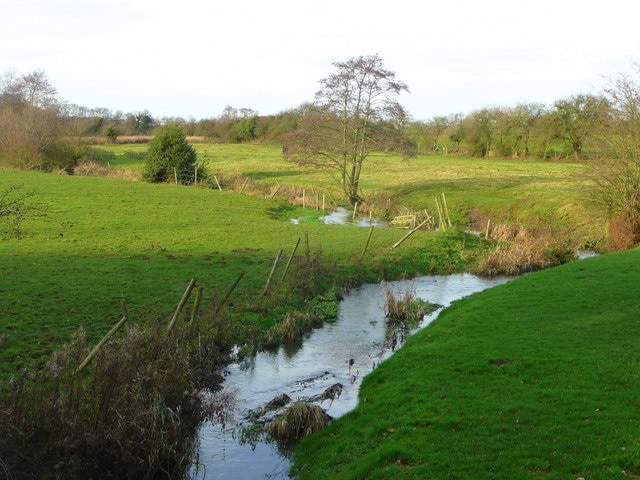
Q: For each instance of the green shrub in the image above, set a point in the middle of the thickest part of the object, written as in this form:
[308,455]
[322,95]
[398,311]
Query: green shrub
[170,157]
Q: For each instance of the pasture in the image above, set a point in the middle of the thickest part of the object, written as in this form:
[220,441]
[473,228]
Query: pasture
[516,190]
[105,240]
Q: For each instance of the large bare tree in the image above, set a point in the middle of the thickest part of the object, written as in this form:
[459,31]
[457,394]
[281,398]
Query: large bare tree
[355,112]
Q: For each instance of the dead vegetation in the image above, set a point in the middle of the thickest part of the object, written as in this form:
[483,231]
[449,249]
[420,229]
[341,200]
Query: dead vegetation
[93,168]
[520,249]
[298,421]
[131,413]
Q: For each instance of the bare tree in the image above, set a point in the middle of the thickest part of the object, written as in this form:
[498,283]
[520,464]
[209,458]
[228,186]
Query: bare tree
[33,89]
[354,113]
[618,175]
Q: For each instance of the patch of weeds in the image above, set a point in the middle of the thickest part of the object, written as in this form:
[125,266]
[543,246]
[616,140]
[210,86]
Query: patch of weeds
[407,309]
[324,307]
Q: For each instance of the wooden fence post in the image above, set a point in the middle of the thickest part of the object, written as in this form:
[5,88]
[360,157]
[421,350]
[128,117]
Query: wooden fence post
[286,269]
[228,294]
[366,245]
[273,269]
[409,234]
[96,349]
[183,300]
[244,184]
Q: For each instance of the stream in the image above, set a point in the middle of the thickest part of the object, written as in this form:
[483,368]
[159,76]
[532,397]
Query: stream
[338,353]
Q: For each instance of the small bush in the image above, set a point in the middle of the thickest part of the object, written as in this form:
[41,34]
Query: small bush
[170,156]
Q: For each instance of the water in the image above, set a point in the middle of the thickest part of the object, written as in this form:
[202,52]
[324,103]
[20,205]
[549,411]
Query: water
[343,352]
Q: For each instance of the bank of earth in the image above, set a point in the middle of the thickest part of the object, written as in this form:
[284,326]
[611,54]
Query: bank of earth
[533,379]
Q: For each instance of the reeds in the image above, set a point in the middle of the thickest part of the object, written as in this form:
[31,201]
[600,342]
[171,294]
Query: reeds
[298,421]
[521,249]
[406,309]
[131,413]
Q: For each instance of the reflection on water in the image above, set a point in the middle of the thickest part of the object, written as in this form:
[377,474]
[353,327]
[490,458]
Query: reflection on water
[342,352]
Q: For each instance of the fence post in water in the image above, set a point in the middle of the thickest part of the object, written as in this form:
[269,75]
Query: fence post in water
[355,210]
[94,351]
[409,234]
[486,233]
[183,300]
[286,269]
[366,245]
[273,269]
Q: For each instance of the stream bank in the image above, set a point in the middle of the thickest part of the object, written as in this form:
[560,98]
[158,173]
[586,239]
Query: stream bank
[339,353]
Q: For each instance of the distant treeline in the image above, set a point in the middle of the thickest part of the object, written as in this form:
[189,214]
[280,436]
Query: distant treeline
[38,131]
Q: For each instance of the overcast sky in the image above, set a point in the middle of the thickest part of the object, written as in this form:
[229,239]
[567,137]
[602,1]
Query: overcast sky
[191,58]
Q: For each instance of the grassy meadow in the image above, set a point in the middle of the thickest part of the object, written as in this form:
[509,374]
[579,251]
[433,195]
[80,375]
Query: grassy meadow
[544,364]
[106,240]
[535,379]
[501,189]
[103,241]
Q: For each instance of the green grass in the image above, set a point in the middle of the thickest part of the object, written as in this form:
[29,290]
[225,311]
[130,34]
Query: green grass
[502,189]
[104,241]
[535,379]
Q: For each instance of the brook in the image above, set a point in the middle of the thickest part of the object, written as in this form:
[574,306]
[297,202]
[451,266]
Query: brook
[339,353]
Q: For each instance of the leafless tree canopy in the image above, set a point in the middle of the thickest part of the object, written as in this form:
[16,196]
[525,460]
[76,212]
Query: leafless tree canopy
[354,112]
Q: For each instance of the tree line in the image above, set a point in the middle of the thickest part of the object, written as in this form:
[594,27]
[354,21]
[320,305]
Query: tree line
[33,121]
[354,113]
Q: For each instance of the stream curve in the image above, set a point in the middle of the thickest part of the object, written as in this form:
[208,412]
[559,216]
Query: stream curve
[342,352]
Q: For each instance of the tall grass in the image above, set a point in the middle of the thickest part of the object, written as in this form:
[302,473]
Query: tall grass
[131,414]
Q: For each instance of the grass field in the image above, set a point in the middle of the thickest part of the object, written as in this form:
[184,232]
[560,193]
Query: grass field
[103,241]
[513,189]
[534,379]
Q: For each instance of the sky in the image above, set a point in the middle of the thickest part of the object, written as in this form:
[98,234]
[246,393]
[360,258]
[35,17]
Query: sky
[192,58]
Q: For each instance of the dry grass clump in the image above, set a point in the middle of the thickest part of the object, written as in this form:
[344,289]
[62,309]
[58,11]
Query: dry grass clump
[299,420]
[96,169]
[405,309]
[522,249]
[291,328]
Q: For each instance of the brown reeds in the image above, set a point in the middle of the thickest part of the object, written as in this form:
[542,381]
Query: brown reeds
[406,309]
[131,413]
[298,421]
[521,249]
